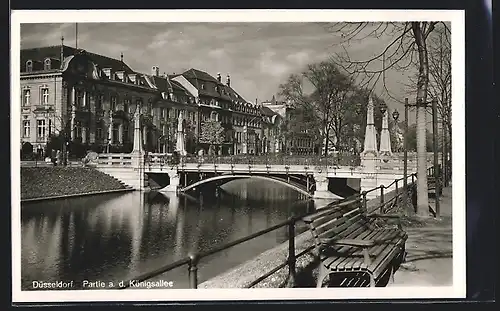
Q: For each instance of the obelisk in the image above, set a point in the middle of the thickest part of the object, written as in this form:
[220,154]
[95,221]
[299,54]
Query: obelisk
[385,139]
[370,147]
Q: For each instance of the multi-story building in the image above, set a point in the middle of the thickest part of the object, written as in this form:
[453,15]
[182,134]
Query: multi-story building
[89,99]
[294,136]
[272,137]
[218,101]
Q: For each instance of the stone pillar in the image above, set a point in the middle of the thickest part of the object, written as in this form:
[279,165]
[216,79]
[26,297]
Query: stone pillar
[47,130]
[137,133]
[110,128]
[385,139]
[173,186]
[145,135]
[370,134]
[322,191]
[245,140]
[84,133]
[120,133]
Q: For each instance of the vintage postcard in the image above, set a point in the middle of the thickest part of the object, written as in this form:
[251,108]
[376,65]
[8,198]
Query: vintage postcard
[196,155]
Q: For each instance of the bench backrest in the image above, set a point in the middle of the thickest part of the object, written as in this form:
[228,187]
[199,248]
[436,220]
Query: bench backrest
[337,221]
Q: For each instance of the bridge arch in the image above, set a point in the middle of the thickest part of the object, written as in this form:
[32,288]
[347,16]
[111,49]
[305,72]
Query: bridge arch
[228,178]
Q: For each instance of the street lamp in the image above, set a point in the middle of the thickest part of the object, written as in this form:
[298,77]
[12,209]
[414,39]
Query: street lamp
[383,108]
[395,116]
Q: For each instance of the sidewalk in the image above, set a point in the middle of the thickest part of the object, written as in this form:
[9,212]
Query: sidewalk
[429,260]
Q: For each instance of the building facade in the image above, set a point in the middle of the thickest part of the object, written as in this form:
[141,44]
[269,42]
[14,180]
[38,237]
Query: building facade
[218,101]
[294,137]
[88,100]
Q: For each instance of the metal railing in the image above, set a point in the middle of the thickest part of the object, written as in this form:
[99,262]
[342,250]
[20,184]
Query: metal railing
[267,159]
[193,259]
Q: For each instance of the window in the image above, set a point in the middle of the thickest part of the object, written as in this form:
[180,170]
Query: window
[46,64]
[79,98]
[98,133]
[163,112]
[116,133]
[125,133]
[98,102]
[126,105]
[113,103]
[45,96]
[29,66]
[26,97]
[78,129]
[168,113]
[40,128]
[26,126]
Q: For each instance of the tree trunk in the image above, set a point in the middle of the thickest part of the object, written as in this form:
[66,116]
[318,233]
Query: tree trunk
[327,134]
[423,80]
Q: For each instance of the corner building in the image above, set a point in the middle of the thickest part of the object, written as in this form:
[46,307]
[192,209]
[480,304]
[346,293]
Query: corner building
[89,99]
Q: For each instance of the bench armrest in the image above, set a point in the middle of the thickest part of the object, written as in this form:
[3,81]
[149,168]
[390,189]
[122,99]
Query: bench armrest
[349,242]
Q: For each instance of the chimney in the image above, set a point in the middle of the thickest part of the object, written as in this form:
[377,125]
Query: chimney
[219,78]
[121,57]
[155,71]
[228,80]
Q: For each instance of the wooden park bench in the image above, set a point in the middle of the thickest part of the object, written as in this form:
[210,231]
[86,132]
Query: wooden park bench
[349,241]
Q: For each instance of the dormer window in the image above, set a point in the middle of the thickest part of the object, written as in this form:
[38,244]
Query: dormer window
[46,64]
[29,66]
[202,86]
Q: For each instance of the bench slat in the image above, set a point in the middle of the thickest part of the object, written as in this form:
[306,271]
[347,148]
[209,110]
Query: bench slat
[325,211]
[332,225]
[331,216]
[348,250]
[356,260]
[375,250]
[342,225]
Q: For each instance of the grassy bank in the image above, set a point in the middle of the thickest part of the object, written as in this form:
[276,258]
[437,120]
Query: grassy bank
[41,182]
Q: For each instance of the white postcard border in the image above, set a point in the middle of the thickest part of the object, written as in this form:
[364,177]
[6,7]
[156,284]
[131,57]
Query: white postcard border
[457,19]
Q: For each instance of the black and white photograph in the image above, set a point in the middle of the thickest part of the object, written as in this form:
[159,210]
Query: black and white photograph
[313,154]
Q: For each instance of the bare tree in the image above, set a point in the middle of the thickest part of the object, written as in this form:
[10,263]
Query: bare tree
[328,99]
[404,43]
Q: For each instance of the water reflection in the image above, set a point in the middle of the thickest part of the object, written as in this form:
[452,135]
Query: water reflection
[115,237]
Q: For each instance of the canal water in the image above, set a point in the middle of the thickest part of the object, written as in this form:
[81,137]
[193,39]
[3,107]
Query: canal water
[115,237]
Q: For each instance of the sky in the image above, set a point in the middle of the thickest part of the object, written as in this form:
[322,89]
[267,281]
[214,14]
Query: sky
[258,56]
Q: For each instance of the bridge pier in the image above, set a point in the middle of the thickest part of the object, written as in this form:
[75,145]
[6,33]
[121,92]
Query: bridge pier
[173,185]
[322,191]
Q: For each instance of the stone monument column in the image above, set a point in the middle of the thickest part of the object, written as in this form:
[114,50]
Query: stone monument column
[385,139]
[369,156]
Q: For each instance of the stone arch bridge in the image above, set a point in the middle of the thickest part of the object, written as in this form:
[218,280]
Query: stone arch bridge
[314,177]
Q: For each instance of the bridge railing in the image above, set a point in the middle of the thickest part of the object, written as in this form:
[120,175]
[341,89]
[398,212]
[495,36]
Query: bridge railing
[267,159]
[114,159]
[385,204]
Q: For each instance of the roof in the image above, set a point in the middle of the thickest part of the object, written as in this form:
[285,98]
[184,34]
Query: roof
[267,111]
[54,52]
[199,75]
